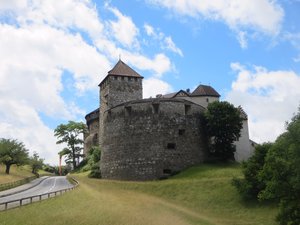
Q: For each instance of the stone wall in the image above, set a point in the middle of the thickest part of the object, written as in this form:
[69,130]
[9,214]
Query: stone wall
[151,139]
[91,138]
[115,90]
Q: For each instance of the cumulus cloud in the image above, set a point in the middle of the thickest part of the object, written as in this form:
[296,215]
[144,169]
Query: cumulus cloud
[269,97]
[263,16]
[22,122]
[40,42]
[153,86]
[124,29]
[166,42]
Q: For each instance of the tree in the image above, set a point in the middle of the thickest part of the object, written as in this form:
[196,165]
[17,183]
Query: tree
[63,152]
[281,173]
[70,135]
[36,163]
[223,123]
[12,152]
[276,176]
[252,184]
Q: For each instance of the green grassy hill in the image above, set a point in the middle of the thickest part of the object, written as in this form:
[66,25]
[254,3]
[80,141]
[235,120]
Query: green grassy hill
[16,173]
[201,195]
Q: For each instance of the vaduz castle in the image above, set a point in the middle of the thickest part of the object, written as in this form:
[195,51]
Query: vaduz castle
[146,139]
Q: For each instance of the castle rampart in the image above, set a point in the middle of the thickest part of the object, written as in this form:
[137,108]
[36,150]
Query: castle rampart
[151,138]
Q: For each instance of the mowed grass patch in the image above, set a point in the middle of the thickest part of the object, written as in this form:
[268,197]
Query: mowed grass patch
[88,205]
[16,173]
[201,195]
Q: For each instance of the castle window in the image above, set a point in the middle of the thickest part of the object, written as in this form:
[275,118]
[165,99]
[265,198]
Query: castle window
[171,146]
[181,131]
[155,108]
[127,110]
[187,109]
[207,100]
[129,78]
[115,78]
[135,79]
[167,171]
[122,78]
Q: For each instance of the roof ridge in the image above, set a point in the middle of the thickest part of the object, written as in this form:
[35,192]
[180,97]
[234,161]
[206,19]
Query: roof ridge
[122,69]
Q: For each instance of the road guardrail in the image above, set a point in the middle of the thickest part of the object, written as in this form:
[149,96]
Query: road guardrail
[35,198]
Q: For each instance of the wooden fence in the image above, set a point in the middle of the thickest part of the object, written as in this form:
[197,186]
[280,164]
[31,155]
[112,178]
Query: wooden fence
[28,200]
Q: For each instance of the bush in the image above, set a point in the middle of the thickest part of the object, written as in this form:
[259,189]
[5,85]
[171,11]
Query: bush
[93,164]
[251,185]
[95,172]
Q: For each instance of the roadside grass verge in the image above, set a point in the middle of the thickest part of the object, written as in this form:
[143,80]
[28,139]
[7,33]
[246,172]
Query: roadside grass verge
[201,195]
[16,173]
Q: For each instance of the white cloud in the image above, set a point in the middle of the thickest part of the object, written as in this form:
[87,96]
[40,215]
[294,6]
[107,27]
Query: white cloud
[159,65]
[153,86]
[242,39]
[269,97]
[12,4]
[22,122]
[169,44]
[63,14]
[149,30]
[124,29]
[44,39]
[166,42]
[263,15]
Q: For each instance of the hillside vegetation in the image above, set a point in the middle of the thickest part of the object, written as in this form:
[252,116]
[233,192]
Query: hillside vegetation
[16,173]
[201,195]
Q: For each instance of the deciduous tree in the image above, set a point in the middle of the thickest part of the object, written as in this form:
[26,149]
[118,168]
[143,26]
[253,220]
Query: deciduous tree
[223,123]
[72,135]
[281,173]
[12,152]
[36,163]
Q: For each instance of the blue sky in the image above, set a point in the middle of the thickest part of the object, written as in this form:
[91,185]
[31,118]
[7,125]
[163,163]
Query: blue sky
[54,54]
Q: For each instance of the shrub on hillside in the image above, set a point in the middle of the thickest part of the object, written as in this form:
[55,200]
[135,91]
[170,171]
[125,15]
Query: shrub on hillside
[273,173]
[93,158]
[250,186]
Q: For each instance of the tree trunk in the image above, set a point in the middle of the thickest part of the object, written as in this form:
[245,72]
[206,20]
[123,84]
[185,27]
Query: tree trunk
[7,168]
[74,158]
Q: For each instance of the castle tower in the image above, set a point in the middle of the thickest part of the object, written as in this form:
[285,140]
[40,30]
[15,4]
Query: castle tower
[204,94]
[122,84]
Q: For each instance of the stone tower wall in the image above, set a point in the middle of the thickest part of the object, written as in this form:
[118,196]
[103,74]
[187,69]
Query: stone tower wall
[91,137]
[115,90]
[151,139]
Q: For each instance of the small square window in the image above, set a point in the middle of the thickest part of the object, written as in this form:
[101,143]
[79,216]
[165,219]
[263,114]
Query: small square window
[155,108]
[181,131]
[128,110]
[187,109]
[171,146]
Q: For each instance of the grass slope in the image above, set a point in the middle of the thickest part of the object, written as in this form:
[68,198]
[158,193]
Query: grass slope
[201,195]
[16,173]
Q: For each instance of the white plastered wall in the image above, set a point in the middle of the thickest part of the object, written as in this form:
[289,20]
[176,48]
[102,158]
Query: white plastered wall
[243,146]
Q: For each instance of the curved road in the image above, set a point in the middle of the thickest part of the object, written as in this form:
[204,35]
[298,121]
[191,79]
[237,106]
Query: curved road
[50,184]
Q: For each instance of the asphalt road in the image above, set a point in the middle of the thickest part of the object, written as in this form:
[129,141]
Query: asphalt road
[50,184]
